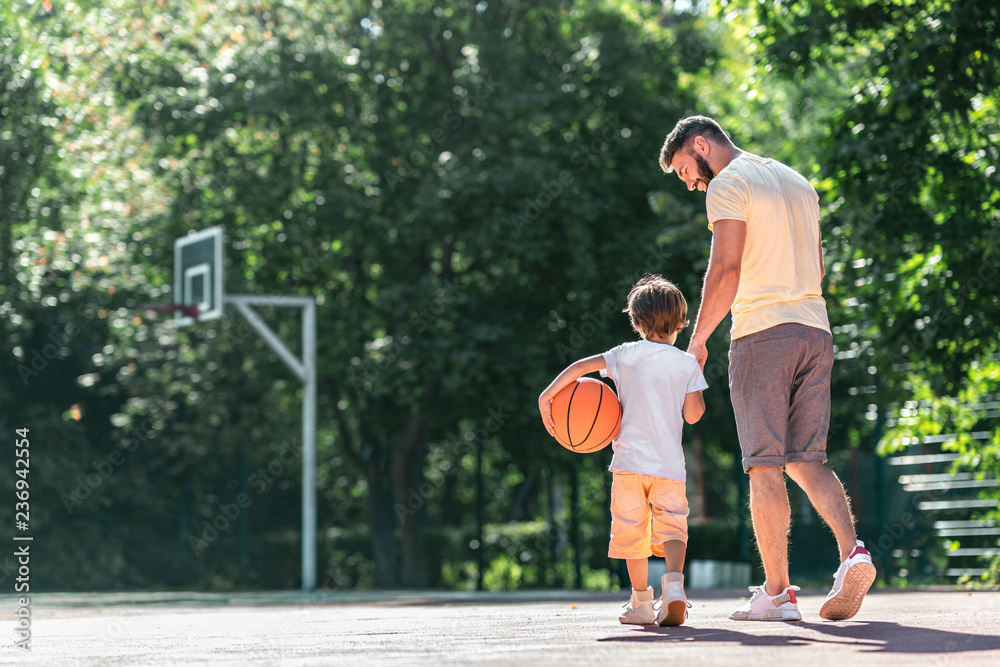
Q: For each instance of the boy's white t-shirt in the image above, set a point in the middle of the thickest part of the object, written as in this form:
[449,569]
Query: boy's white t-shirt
[652,379]
[781,271]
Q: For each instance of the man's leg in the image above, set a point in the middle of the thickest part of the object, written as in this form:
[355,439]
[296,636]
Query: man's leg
[827,495]
[762,369]
[856,572]
[808,426]
[771,515]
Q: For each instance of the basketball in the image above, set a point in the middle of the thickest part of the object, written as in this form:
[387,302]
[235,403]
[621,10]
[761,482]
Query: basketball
[587,415]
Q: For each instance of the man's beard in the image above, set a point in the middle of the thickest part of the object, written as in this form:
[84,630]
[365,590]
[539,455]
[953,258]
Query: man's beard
[705,173]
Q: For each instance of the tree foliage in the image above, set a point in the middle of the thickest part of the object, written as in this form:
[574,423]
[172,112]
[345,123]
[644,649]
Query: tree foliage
[468,191]
[450,184]
[910,153]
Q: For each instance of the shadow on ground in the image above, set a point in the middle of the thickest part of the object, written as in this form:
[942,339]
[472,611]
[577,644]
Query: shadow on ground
[871,636]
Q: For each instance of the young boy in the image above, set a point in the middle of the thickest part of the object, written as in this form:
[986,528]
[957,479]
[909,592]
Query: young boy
[659,387]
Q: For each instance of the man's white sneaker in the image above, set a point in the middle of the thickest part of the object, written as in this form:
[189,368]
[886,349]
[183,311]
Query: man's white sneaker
[853,579]
[673,602]
[639,608]
[764,607]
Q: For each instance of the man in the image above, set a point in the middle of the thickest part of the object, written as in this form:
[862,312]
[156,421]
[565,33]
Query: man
[766,264]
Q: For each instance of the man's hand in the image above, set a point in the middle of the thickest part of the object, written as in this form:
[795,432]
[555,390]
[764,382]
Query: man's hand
[699,350]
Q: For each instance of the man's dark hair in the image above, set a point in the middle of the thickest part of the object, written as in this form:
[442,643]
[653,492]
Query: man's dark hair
[685,130]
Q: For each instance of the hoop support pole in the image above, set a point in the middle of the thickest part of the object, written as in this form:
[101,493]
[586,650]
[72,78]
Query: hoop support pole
[305,370]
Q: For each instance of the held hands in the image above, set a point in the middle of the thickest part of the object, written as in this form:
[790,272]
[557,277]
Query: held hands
[699,351]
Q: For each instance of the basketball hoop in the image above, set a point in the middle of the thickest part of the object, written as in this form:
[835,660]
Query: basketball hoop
[166,307]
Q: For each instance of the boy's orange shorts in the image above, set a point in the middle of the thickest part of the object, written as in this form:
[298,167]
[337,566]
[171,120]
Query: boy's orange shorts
[638,531]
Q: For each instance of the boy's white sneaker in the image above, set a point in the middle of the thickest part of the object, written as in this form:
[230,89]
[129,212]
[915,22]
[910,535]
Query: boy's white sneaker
[673,607]
[853,579]
[639,608]
[764,607]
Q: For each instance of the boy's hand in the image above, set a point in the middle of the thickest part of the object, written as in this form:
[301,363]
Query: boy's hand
[545,407]
[575,370]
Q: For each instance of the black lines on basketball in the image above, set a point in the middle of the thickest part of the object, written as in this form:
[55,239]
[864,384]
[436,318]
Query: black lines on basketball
[569,411]
[597,413]
[584,410]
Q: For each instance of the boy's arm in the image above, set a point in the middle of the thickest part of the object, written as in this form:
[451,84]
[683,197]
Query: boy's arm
[694,407]
[572,372]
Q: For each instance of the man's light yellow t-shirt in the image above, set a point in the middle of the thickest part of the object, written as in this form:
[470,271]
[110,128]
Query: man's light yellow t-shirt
[781,273]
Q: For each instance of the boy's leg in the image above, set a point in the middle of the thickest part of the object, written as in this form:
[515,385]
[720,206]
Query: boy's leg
[673,599]
[669,528]
[771,516]
[630,542]
[673,555]
[638,572]
[629,523]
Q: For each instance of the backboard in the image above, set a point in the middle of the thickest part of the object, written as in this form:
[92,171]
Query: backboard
[198,275]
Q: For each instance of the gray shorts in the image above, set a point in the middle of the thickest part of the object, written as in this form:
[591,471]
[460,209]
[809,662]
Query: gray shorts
[779,382]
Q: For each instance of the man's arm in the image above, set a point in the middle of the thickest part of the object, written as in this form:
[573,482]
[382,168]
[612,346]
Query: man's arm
[822,269]
[722,280]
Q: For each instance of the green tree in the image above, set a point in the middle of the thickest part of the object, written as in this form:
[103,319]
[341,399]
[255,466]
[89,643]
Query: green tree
[909,160]
[451,184]
[457,187]
[54,296]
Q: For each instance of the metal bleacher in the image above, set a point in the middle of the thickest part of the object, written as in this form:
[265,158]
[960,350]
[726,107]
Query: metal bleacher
[950,497]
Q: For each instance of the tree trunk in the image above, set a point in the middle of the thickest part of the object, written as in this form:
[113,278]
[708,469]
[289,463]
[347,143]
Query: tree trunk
[693,455]
[521,495]
[383,526]
[410,492]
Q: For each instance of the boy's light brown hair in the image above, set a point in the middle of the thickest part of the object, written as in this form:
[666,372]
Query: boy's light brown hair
[656,307]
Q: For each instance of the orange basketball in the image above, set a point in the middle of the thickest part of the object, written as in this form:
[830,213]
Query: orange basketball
[587,415]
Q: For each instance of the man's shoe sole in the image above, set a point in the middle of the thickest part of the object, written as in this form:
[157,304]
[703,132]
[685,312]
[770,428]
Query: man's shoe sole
[676,612]
[847,602]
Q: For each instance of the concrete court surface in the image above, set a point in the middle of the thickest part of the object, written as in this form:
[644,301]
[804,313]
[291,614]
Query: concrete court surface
[526,628]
